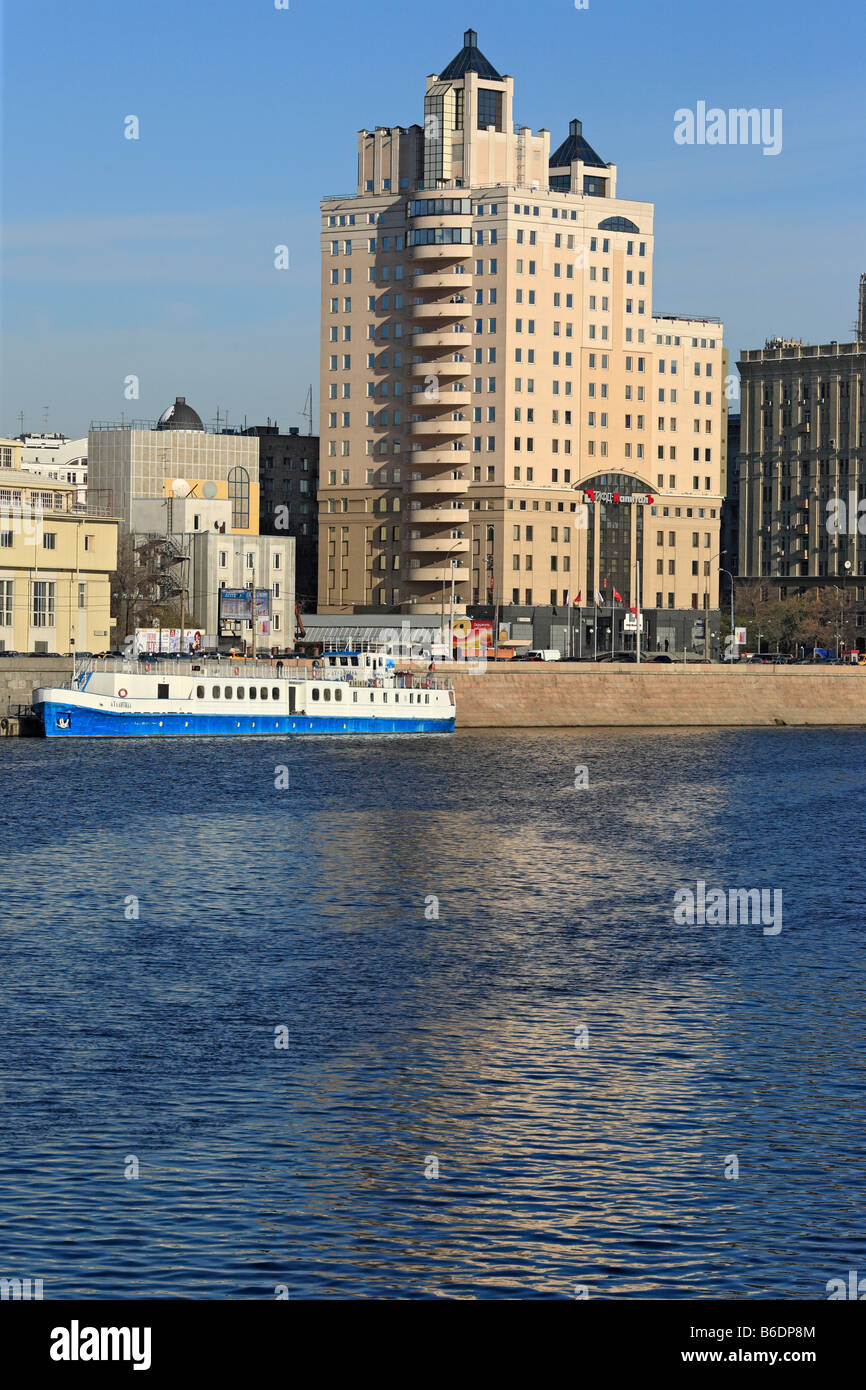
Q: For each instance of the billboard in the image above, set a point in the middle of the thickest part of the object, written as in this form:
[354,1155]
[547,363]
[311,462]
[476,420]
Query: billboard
[477,633]
[167,639]
[235,604]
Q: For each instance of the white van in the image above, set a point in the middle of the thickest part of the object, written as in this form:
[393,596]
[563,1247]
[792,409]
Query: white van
[544,654]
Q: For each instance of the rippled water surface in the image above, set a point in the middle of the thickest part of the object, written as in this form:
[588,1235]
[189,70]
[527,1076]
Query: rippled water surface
[414,1038]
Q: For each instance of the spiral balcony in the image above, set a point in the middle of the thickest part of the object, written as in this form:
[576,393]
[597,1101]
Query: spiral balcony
[443,515]
[438,543]
[443,253]
[438,485]
[441,368]
[441,280]
[438,458]
[439,429]
[442,310]
[439,398]
[447,339]
[439,574]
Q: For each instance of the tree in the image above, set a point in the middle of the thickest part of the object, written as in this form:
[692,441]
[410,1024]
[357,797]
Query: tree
[146,586]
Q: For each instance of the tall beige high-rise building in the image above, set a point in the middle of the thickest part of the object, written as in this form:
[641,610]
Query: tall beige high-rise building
[498,402]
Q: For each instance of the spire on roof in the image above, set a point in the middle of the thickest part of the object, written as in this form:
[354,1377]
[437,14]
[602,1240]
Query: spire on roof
[470,59]
[575,147]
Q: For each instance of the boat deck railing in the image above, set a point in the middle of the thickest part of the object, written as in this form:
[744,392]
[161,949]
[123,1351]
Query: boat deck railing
[207,668]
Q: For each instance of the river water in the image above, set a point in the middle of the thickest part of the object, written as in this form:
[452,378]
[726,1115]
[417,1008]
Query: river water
[421,1022]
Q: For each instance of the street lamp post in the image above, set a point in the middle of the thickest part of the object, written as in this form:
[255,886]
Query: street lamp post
[707,606]
[445,564]
[731,577]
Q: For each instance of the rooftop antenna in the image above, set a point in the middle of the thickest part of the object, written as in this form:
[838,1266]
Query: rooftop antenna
[21,422]
[307,411]
[45,410]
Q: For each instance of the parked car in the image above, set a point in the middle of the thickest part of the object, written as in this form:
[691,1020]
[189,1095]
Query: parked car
[544,654]
[9,652]
[663,656]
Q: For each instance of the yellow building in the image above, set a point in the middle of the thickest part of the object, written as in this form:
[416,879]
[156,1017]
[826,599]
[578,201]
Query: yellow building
[10,453]
[56,562]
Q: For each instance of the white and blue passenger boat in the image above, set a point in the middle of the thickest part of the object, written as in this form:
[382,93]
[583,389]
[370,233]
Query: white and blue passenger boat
[347,692]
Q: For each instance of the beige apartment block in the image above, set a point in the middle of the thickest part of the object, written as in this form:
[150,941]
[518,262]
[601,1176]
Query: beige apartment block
[56,561]
[499,405]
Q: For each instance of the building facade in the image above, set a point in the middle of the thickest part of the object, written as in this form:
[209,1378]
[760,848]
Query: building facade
[802,465]
[499,404]
[198,491]
[10,453]
[176,457]
[56,457]
[289,482]
[56,561]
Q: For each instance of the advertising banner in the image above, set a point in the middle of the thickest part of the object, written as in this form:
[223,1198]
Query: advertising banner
[235,604]
[166,639]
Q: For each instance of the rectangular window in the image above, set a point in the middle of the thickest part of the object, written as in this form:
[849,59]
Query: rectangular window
[42,596]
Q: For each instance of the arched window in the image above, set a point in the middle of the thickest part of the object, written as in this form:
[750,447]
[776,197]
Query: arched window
[239,495]
[617,224]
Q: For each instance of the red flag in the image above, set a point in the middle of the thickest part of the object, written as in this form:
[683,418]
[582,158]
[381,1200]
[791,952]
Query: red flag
[577,600]
[617,595]
[633,610]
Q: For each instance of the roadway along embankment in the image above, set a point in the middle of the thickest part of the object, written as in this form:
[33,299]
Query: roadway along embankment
[534,695]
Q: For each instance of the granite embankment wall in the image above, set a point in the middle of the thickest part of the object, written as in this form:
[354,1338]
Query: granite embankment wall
[533,695]
[19,676]
[538,695]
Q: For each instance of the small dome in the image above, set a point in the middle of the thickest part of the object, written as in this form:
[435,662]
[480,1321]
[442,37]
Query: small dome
[179,416]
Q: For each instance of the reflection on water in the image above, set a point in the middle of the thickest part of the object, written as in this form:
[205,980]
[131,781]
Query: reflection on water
[413,1036]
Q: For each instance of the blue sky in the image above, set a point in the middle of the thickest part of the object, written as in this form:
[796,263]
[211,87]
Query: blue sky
[155,257]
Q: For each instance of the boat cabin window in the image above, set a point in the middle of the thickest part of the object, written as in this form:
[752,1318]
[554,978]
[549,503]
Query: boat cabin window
[199,690]
[338,694]
[162,691]
[228,692]
[253,692]
[327,694]
[275,692]
[215,692]
[240,692]
[316,692]
[263,691]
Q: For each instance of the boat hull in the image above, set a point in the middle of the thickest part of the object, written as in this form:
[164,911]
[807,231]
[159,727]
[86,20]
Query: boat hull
[60,719]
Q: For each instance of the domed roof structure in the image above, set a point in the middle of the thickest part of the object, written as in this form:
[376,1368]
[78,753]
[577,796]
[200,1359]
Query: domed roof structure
[179,416]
